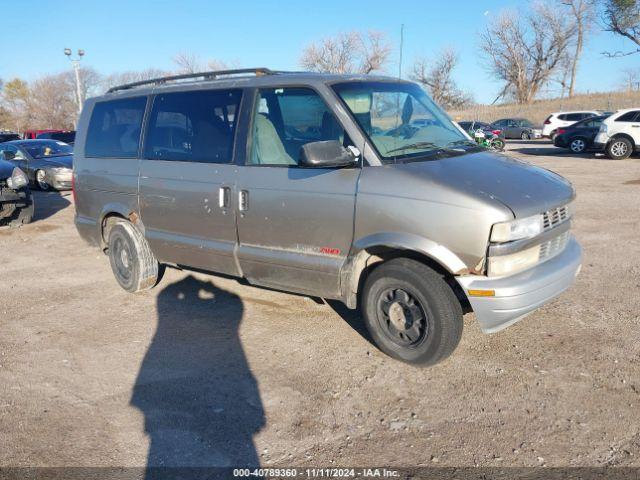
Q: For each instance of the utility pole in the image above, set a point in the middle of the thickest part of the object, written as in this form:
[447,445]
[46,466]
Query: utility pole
[76,67]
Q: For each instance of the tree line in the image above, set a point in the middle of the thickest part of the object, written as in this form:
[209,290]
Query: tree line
[524,52]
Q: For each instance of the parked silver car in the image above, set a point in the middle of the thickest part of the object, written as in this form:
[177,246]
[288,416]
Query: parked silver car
[47,163]
[348,187]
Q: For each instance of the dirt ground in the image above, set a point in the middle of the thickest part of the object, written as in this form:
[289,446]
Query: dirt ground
[206,371]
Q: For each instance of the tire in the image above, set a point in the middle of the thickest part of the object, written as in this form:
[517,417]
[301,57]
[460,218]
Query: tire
[619,148]
[133,263]
[525,136]
[411,313]
[578,145]
[498,144]
[40,177]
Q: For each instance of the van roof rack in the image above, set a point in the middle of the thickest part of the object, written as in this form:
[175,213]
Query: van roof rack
[212,75]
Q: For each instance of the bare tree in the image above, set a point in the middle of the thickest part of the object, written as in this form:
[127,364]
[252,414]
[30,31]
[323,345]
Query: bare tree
[52,102]
[15,95]
[90,82]
[583,14]
[524,53]
[131,77]
[437,77]
[630,80]
[622,17]
[349,52]
[188,63]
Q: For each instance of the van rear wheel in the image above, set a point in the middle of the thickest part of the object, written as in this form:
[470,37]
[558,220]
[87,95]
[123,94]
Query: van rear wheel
[411,313]
[133,263]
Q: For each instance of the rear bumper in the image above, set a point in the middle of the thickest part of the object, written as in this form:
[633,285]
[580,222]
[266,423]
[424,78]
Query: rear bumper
[518,295]
[88,230]
[560,142]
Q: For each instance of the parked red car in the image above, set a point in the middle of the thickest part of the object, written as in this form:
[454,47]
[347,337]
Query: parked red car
[31,134]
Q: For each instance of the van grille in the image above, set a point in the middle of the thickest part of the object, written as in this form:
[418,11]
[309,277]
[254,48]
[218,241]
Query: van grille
[553,247]
[555,216]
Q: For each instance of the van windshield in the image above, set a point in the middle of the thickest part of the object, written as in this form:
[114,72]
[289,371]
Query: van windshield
[402,122]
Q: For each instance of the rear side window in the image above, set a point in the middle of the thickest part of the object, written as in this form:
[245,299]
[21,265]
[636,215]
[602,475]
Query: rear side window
[196,126]
[562,117]
[114,128]
[629,117]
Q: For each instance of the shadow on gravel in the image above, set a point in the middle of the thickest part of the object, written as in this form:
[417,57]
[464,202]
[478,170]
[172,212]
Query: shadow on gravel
[353,318]
[200,400]
[49,203]
[557,152]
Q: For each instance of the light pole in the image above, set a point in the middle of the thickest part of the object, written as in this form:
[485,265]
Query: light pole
[76,67]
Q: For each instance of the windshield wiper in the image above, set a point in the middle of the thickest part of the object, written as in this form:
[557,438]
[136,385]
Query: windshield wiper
[414,146]
[463,142]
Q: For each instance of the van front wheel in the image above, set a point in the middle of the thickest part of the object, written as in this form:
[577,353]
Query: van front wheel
[411,313]
[132,261]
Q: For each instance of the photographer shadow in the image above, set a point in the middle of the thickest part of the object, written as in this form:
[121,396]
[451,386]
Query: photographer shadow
[198,395]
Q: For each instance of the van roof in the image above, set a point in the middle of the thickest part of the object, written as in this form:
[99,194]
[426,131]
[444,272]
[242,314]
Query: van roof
[246,77]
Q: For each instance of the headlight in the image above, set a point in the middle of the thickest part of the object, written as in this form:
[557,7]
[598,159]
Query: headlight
[517,229]
[17,179]
[512,263]
[603,128]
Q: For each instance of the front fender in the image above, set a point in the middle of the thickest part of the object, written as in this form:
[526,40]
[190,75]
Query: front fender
[416,243]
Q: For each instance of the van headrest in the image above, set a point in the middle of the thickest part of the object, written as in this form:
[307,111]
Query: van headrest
[358,102]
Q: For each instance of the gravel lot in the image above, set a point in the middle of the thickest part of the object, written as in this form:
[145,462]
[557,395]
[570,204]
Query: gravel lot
[206,371]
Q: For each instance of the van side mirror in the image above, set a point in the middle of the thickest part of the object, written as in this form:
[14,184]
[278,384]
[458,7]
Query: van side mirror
[326,154]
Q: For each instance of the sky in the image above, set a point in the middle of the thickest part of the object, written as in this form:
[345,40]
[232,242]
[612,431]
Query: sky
[120,35]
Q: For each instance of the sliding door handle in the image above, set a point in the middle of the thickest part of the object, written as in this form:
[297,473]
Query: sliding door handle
[224,197]
[243,200]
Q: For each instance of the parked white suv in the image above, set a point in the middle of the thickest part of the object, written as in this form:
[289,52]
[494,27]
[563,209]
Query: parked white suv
[564,119]
[619,135]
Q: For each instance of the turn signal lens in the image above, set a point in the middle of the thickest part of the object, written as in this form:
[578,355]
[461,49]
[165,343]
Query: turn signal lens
[481,293]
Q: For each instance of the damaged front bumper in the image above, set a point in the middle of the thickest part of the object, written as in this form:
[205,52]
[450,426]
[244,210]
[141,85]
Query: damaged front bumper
[518,295]
[11,201]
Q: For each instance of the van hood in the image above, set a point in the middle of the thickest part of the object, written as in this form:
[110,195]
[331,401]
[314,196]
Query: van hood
[524,188]
[6,169]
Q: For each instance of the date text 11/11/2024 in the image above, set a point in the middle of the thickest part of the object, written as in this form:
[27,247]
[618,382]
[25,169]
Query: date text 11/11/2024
[317,473]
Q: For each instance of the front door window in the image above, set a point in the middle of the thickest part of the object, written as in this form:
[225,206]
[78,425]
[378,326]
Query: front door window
[286,119]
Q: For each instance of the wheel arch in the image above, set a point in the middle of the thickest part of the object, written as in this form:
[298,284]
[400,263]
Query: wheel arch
[623,135]
[373,250]
[112,212]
